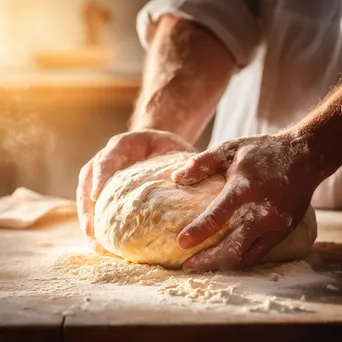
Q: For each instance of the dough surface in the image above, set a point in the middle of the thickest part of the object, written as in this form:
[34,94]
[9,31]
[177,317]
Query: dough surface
[141,211]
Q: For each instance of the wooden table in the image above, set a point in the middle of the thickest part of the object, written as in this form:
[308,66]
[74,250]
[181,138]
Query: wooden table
[30,310]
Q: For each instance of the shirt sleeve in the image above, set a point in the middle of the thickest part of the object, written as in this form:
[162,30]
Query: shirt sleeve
[230,21]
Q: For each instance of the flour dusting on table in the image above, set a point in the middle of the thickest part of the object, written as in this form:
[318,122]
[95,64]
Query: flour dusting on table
[257,290]
[106,269]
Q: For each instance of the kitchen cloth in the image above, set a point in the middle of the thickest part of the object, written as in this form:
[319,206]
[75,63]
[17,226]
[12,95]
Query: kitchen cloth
[25,207]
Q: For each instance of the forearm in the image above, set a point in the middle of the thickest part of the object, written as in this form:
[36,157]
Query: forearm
[321,131]
[186,72]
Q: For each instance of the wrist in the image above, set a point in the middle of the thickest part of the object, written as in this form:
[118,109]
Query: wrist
[316,144]
[305,162]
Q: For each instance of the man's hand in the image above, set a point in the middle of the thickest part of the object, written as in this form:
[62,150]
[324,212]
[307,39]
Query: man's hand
[267,193]
[121,151]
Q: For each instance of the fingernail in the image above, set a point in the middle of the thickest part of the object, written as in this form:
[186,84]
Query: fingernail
[94,195]
[97,247]
[176,176]
[184,241]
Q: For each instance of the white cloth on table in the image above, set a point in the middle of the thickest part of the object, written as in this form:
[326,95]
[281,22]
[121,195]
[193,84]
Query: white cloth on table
[24,208]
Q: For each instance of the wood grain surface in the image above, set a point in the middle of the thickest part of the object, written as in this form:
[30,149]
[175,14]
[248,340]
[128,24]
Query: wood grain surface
[31,311]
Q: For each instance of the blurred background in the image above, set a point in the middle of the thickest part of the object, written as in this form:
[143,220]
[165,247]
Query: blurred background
[70,72]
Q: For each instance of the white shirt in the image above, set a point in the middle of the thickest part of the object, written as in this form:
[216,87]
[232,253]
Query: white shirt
[289,53]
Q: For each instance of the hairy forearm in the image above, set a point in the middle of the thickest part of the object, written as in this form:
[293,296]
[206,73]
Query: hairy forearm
[186,72]
[321,131]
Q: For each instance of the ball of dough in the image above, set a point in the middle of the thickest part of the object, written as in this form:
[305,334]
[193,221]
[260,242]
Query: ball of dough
[141,211]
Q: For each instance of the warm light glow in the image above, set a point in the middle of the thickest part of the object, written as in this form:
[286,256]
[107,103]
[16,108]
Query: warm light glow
[69,34]
[28,27]
[65,69]
[4,34]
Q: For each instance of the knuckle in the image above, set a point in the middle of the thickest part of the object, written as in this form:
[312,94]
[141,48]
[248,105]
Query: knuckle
[115,140]
[120,144]
[234,252]
[104,167]
[197,161]
[229,147]
[211,225]
[100,162]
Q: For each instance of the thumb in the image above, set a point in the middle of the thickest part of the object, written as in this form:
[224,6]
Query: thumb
[198,168]
[103,169]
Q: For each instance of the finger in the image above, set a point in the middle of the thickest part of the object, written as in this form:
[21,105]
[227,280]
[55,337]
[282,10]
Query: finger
[85,206]
[103,169]
[97,247]
[198,168]
[259,249]
[218,214]
[239,249]
[129,149]
[117,155]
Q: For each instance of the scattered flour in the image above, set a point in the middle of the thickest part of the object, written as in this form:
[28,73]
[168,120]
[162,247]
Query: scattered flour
[258,290]
[203,290]
[291,269]
[107,269]
[332,287]
[274,305]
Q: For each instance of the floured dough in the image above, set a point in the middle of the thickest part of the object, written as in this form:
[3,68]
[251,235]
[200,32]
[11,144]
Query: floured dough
[141,211]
